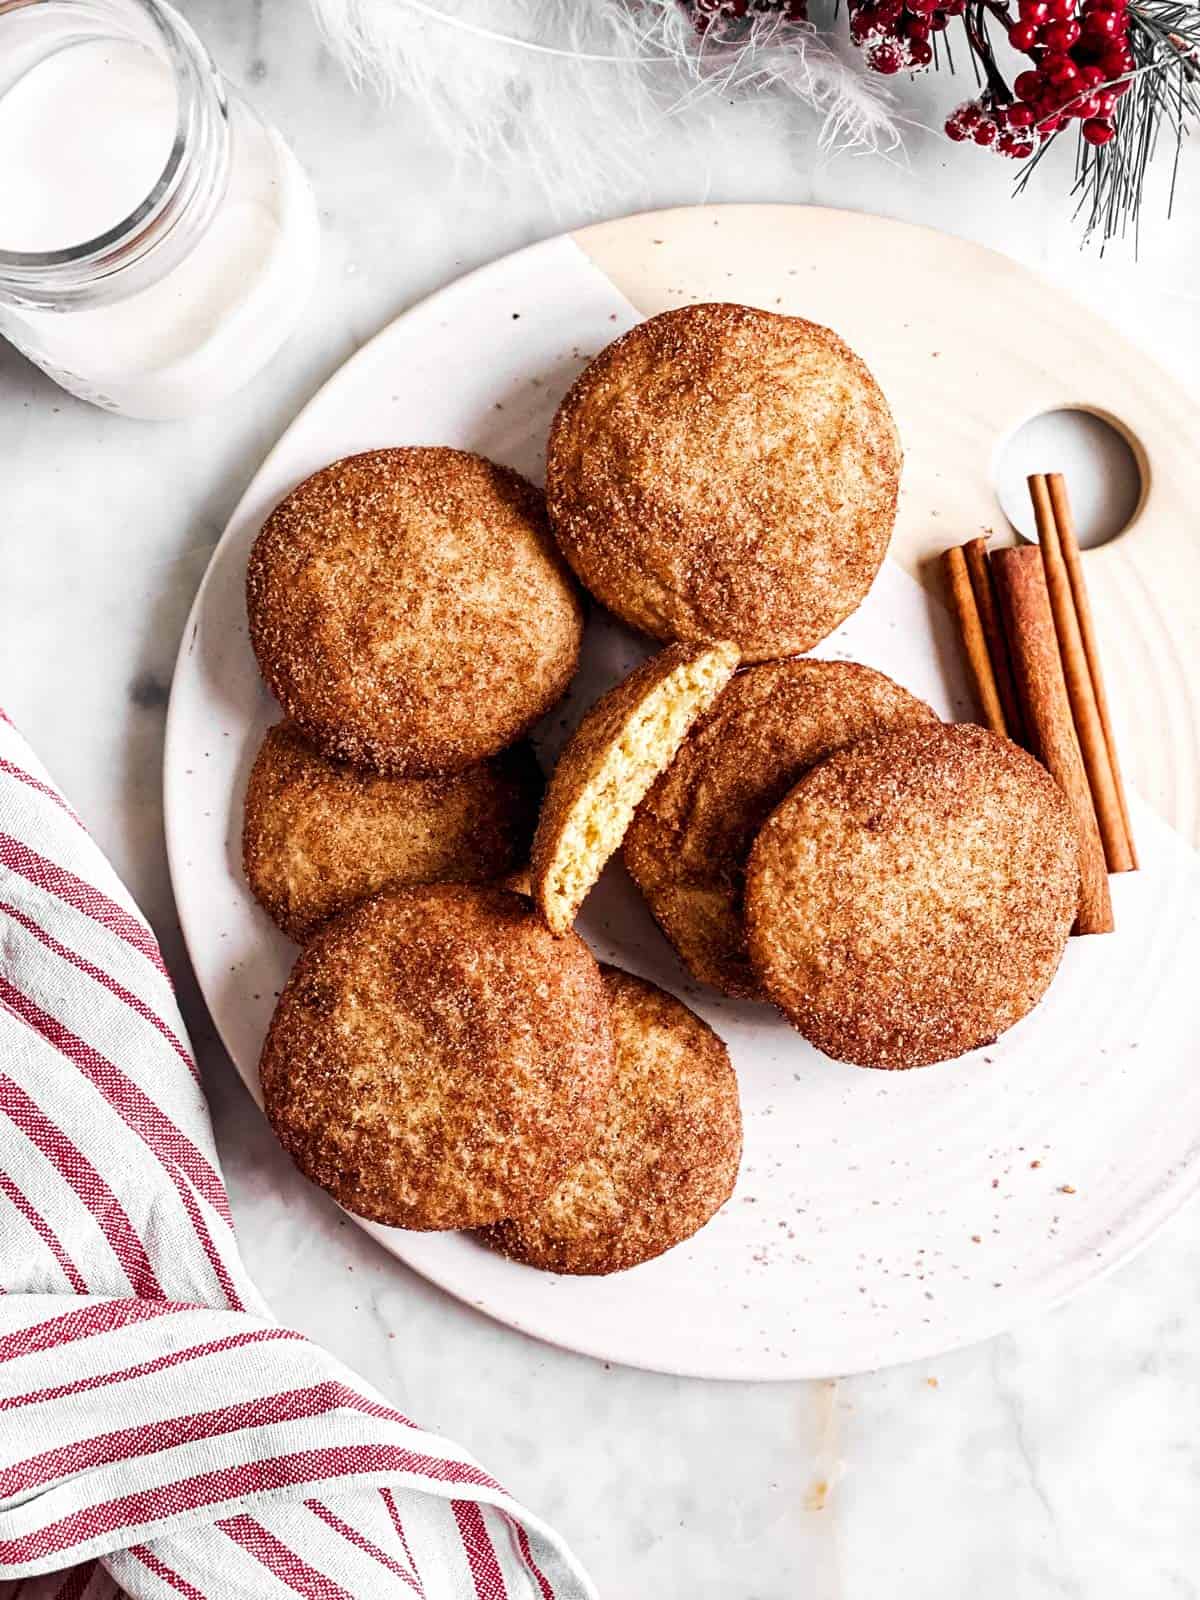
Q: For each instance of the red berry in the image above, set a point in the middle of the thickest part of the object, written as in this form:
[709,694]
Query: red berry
[1087,105]
[862,24]
[885,58]
[1060,70]
[969,113]
[1060,36]
[1103,25]
[1020,115]
[1035,11]
[955,129]
[916,29]
[1061,10]
[954,8]
[1097,131]
[1024,36]
[1011,144]
[921,52]
[1049,125]
[1092,75]
[1027,85]
[938,21]
[984,133]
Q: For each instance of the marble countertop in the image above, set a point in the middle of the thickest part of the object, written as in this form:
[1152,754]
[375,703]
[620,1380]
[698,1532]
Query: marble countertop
[1059,1460]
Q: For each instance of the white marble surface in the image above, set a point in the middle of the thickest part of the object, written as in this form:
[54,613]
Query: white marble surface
[1060,1460]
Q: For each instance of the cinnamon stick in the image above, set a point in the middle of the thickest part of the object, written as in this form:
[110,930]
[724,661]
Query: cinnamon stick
[1080,693]
[1065,523]
[987,605]
[970,625]
[1037,668]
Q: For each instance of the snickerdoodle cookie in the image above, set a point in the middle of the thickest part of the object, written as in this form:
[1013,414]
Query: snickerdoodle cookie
[720,472]
[409,610]
[686,848]
[613,757]
[912,896]
[665,1149]
[438,1059]
[320,835]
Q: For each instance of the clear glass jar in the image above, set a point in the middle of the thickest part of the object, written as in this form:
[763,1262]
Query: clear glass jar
[158,240]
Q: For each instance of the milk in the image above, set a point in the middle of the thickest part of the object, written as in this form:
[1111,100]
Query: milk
[67,178]
[145,342]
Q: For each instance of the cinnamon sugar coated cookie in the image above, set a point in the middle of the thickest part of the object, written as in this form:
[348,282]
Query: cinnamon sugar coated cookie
[610,761]
[665,1150]
[320,835]
[438,1059]
[912,896]
[409,610]
[686,848]
[720,472]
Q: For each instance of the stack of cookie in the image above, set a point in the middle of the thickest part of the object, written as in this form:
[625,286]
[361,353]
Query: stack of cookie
[440,1058]
[447,1053]
[901,890]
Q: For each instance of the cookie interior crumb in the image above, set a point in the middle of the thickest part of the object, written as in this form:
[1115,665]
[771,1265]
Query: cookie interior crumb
[644,743]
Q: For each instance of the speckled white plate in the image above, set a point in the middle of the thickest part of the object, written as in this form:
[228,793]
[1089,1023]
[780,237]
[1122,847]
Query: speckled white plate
[879,1217]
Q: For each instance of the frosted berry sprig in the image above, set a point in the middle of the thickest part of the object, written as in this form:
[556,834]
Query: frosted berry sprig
[704,13]
[1082,61]
[991,127]
[1124,73]
[1080,50]
[898,34]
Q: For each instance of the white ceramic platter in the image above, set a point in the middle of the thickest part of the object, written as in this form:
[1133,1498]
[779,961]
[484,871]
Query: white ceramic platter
[879,1217]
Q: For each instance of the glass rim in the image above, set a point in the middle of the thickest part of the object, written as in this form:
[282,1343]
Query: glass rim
[109,247]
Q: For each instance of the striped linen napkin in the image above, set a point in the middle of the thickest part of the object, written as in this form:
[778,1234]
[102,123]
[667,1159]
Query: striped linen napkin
[160,1434]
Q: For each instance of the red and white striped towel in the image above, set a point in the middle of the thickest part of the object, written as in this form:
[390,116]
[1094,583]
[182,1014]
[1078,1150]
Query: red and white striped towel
[160,1435]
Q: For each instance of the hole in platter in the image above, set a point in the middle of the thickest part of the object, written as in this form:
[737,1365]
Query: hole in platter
[1103,472]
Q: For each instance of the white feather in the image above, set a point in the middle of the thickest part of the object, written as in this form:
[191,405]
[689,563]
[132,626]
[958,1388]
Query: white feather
[575,91]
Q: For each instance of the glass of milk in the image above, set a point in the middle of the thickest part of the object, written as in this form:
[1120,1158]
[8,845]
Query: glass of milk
[158,240]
